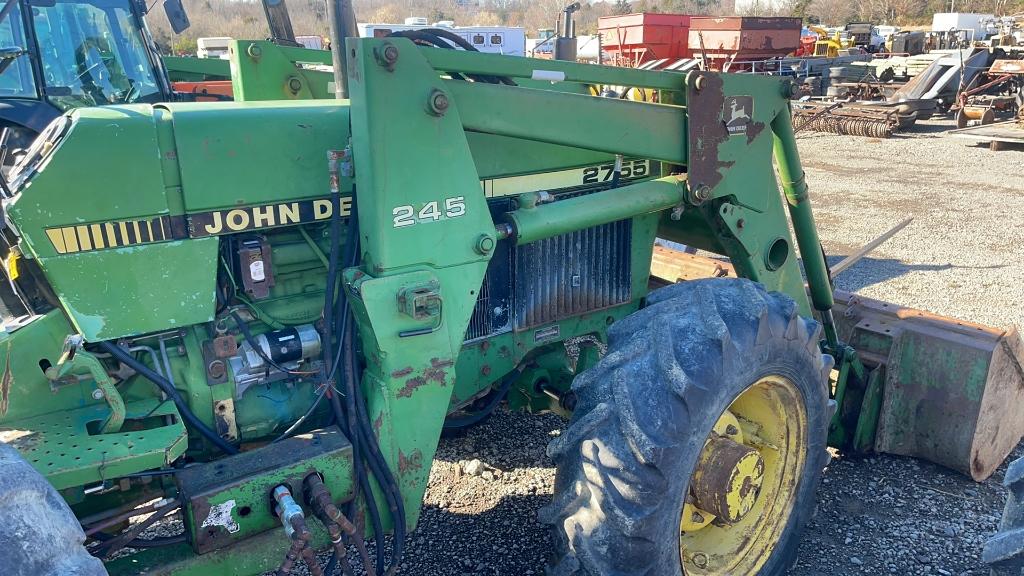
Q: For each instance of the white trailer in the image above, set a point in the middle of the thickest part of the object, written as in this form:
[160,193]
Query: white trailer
[506,40]
[213,47]
[975,24]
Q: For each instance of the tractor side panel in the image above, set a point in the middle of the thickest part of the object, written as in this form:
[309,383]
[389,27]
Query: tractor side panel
[260,153]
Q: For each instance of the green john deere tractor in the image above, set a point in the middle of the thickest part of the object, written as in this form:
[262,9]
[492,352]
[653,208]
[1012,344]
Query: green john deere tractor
[260,315]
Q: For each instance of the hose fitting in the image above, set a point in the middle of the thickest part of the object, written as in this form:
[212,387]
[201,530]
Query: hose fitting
[293,520]
[320,500]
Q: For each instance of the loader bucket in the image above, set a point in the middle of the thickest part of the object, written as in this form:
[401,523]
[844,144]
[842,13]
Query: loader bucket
[953,391]
[948,391]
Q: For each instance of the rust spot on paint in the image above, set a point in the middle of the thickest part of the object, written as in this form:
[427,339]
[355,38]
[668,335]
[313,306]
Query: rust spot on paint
[412,463]
[403,372]
[378,423]
[707,131]
[438,363]
[410,386]
[435,375]
[486,370]
[753,129]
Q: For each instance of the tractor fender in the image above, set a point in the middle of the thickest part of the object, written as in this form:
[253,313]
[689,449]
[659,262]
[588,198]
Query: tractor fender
[39,535]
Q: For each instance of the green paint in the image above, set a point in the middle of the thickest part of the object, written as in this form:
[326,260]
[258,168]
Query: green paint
[224,173]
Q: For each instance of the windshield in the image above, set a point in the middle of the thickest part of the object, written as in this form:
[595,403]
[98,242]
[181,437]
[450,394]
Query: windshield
[92,53]
[17,81]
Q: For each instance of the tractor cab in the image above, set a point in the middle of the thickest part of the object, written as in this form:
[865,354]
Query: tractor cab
[57,55]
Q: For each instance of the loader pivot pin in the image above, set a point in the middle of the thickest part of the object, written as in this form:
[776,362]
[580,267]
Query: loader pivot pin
[728,479]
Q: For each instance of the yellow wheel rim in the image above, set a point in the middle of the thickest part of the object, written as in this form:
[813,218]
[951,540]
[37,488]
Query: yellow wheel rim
[743,489]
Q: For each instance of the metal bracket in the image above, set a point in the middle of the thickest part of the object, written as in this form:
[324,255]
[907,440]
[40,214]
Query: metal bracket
[421,302]
[73,360]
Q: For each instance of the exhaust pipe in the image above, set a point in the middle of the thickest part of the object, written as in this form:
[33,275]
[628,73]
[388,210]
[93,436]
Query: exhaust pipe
[342,19]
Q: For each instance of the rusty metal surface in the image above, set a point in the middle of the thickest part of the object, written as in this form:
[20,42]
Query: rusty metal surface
[846,118]
[954,390]
[230,499]
[706,131]
[1007,67]
[744,37]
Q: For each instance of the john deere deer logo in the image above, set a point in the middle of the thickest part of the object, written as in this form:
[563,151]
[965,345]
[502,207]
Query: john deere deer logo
[736,113]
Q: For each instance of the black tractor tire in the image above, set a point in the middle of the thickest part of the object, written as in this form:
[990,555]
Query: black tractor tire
[39,535]
[643,414]
[1004,552]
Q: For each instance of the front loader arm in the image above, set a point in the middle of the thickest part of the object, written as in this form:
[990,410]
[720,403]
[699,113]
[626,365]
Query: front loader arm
[423,137]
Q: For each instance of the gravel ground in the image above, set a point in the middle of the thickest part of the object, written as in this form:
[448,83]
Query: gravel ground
[881,515]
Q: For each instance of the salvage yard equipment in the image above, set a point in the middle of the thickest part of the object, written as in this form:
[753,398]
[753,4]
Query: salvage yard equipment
[872,119]
[998,135]
[1001,91]
[274,314]
[845,118]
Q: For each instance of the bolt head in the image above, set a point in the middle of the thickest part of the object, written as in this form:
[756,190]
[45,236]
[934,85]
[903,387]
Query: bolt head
[438,102]
[97,394]
[390,54]
[485,244]
[698,84]
[254,51]
[294,84]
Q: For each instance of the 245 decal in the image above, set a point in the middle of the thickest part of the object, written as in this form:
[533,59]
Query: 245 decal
[432,211]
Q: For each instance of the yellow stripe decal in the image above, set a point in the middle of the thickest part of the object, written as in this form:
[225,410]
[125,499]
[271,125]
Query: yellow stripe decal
[57,239]
[70,241]
[111,235]
[97,236]
[84,242]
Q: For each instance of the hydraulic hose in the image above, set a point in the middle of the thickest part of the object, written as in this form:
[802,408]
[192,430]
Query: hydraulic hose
[345,415]
[166,387]
[376,460]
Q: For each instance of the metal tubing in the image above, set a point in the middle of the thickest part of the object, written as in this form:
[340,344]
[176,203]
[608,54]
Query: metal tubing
[547,220]
[342,25]
[791,174]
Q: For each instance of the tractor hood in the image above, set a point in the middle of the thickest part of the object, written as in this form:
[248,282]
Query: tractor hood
[118,203]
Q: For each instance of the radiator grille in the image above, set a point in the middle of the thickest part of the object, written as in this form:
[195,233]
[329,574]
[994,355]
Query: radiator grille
[552,279]
[492,313]
[572,274]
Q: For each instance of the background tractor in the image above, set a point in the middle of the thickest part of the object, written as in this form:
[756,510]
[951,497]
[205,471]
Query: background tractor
[268,321]
[56,55]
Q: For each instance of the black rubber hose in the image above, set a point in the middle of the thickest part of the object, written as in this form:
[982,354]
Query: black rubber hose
[436,37]
[462,43]
[476,417]
[378,464]
[343,417]
[166,387]
[430,39]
